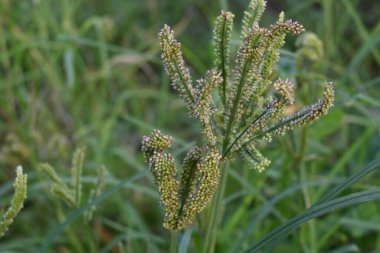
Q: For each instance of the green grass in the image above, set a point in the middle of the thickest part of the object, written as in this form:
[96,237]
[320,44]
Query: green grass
[88,73]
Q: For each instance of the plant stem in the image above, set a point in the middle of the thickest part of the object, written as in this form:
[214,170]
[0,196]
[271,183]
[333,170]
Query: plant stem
[301,151]
[216,214]
[173,242]
[299,164]
[235,104]
[223,65]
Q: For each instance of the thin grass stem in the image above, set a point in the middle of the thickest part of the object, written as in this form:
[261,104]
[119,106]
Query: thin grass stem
[173,242]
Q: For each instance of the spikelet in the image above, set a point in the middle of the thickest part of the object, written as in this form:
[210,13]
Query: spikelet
[164,172]
[280,28]
[58,187]
[64,193]
[188,178]
[76,173]
[96,190]
[72,193]
[221,39]
[155,142]
[307,115]
[252,15]
[274,38]
[175,65]
[163,168]
[253,158]
[17,203]
[181,199]
[202,106]
[208,179]
[203,187]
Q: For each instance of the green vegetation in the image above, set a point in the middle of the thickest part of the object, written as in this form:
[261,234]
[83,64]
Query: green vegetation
[20,186]
[89,74]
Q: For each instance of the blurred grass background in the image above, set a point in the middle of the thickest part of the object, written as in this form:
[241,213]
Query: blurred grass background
[88,73]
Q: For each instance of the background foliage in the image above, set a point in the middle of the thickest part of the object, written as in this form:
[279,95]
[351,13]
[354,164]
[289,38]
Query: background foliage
[88,73]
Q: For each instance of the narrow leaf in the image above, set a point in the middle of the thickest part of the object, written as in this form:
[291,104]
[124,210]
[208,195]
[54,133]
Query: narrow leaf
[273,237]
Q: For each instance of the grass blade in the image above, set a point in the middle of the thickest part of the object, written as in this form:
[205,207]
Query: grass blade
[359,142]
[53,235]
[364,34]
[351,180]
[273,237]
[269,207]
[338,189]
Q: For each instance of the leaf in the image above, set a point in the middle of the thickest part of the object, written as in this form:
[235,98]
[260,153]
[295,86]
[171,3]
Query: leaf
[274,237]
[324,205]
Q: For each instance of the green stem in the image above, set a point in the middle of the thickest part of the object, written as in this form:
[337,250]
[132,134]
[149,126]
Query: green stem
[173,242]
[223,63]
[215,215]
[299,164]
[301,151]
[235,104]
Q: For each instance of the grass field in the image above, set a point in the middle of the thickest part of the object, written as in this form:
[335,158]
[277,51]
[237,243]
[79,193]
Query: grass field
[88,74]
